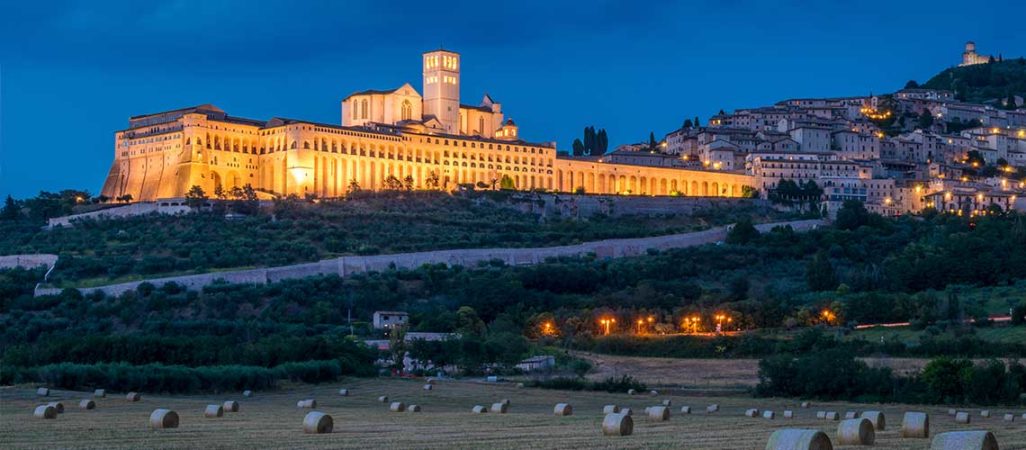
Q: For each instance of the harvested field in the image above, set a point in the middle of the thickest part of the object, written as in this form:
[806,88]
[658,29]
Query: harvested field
[271,420]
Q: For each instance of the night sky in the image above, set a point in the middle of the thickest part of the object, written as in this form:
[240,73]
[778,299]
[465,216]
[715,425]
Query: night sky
[73,72]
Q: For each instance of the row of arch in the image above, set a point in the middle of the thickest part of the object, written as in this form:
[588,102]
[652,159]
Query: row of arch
[607,183]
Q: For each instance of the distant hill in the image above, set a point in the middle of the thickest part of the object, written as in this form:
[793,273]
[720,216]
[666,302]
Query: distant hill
[983,82]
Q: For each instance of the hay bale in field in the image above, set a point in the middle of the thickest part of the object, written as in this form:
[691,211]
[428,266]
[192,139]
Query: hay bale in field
[133,396]
[163,418]
[504,401]
[247,393]
[478,409]
[1023,416]
[798,439]
[851,415]
[617,425]
[667,402]
[952,411]
[397,407]
[429,380]
[985,413]
[855,432]
[626,411]
[500,408]
[231,406]
[788,414]
[962,417]
[821,414]
[877,419]
[59,406]
[520,385]
[383,399]
[413,408]
[87,404]
[1009,417]
[915,425]
[610,409]
[631,392]
[343,392]
[752,412]
[563,409]
[308,403]
[806,405]
[213,411]
[832,415]
[685,410]
[768,415]
[43,392]
[317,423]
[964,440]
[653,392]
[712,408]
[658,413]
[99,393]
[45,412]
[428,387]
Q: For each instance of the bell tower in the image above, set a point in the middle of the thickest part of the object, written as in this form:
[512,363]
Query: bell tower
[442,88]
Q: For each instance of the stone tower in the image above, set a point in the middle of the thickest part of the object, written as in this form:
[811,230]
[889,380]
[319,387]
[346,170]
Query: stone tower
[442,88]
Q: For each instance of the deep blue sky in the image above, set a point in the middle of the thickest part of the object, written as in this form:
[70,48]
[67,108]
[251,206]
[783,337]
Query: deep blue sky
[73,72]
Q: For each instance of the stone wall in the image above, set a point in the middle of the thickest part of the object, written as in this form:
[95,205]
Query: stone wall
[349,265]
[566,205]
[28,261]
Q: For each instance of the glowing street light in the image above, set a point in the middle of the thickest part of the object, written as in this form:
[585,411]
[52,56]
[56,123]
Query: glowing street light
[607,323]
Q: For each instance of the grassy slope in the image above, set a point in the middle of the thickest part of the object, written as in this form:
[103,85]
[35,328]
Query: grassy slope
[271,420]
[983,82]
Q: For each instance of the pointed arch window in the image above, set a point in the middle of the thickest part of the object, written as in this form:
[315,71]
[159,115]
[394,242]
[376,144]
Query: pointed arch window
[407,110]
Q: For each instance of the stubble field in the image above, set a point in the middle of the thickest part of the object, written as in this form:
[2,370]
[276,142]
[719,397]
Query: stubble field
[271,420]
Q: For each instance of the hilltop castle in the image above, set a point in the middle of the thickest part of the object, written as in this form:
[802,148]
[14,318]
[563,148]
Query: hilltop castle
[431,141]
[970,57]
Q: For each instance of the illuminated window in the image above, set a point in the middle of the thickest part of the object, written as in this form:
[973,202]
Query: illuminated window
[407,110]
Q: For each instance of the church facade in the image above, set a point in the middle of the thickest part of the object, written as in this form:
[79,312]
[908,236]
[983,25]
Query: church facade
[432,141]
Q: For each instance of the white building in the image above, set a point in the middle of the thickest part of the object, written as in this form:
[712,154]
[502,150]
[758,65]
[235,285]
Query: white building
[388,319]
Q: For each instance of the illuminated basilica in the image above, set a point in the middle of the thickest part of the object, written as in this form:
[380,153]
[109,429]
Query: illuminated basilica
[431,141]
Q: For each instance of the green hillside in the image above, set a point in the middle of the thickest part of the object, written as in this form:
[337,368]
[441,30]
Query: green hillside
[983,82]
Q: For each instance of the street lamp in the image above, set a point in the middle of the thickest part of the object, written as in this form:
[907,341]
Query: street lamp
[607,323]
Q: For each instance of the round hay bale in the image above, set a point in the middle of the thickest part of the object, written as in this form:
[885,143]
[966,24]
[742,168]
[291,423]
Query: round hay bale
[667,402]
[962,417]
[964,440]
[832,415]
[247,393]
[659,413]
[397,407]
[520,385]
[768,415]
[626,411]
[915,425]
[45,412]
[343,392]
[788,414]
[821,414]
[806,405]
[430,380]
[100,393]
[952,411]
[43,392]
[163,418]
[478,409]
[798,439]
[413,408]
[500,408]
[631,392]
[646,409]
[563,409]
[231,406]
[59,406]
[985,413]
[855,432]
[504,401]
[877,419]
[133,396]
[383,399]
[712,408]
[851,415]
[1023,416]
[308,403]
[617,425]
[610,409]
[87,404]
[751,412]
[1009,417]
[213,411]
[685,410]
[653,392]
[317,423]
[428,387]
